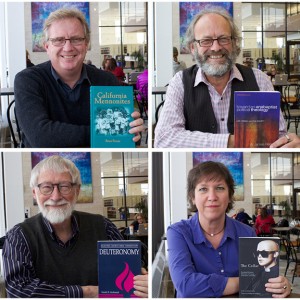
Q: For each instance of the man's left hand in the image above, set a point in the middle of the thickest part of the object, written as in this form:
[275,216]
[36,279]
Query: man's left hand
[290,140]
[141,284]
[137,126]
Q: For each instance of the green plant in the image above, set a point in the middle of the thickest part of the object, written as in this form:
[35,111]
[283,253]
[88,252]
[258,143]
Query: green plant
[142,207]
[140,59]
[278,62]
[286,207]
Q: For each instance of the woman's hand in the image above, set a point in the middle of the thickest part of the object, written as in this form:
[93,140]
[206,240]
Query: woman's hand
[141,284]
[279,287]
[137,126]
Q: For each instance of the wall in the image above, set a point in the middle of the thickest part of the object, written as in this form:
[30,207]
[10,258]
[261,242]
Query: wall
[95,207]
[93,54]
[187,58]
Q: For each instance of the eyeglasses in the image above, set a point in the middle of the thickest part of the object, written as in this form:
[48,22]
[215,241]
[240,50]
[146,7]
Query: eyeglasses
[63,187]
[222,41]
[264,254]
[60,41]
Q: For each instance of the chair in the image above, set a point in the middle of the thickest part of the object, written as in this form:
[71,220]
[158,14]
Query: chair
[141,97]
[12,118]
[158,111]
[290,106]
[292,256]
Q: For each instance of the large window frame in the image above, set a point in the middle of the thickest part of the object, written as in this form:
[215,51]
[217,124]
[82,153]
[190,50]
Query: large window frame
[280,54]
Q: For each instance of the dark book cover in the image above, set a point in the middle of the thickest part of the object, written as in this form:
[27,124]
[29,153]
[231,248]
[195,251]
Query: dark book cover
[111,109]
[118,263]
[256,117]
[258,261]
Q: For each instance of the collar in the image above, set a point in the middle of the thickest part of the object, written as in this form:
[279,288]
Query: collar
[83,76]
[234,73]
[74,224]
[198,235]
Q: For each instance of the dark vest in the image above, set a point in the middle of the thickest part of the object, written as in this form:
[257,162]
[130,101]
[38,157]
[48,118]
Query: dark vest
[198,110]
[74,265]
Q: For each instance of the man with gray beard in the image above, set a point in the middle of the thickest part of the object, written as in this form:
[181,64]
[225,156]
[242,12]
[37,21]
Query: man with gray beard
[54,254]
[199,109]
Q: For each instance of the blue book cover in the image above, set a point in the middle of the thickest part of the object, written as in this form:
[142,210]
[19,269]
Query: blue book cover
[256,119]
[111,109]
[258,261]
[118,263]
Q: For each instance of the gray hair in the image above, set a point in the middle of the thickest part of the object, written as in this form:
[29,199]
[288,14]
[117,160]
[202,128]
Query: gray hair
[57,164]
[67,13]
[235,33]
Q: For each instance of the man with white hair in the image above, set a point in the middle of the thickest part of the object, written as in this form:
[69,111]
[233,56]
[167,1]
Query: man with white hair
[54,254]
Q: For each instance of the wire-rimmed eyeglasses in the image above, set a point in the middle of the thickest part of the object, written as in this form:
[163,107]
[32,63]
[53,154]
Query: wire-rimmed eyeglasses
[47,188]
[60,41]
[222,41]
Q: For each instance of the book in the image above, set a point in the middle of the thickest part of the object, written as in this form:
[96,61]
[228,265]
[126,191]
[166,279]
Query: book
[256,119]
[111,108]
[118,263]
[258,261]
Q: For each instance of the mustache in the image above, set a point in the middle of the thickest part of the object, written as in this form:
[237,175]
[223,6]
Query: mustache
[55,203]
[212,52]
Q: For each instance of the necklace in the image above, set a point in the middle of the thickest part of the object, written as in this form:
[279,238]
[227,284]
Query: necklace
[212,234]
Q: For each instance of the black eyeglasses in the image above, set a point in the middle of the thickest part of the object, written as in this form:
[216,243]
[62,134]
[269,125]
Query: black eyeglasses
[222,41]
[264,254]
[64,187]
[60,41]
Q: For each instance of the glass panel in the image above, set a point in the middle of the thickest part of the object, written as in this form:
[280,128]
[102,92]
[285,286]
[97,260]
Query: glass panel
[261,192]
[281,193]
[281,166]
[251,49]
[274,50]
[110,42]
[293,16]
[134,14]
[297,167]
[136,163]
[109,14]
[274,17]
[260,168]
[111,164]
[251,16]
[135,44]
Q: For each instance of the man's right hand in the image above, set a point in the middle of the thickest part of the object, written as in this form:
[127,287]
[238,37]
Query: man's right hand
[90,291]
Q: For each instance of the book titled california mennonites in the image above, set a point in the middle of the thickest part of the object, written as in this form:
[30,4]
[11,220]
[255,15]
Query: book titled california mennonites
[256,119]
[118,263]
[258,261]
[111,109]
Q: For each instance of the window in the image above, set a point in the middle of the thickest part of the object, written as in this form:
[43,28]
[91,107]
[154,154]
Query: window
[123,29]
[124,185]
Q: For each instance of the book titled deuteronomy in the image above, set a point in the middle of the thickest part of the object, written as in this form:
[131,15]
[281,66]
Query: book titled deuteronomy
[111,108]
[256,117]
[118,263]
[258,261]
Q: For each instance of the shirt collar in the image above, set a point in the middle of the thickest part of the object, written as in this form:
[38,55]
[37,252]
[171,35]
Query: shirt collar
[200,76]
[74,224]
[83,75]
[198,235]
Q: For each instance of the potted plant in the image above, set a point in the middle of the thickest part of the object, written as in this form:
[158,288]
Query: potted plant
[142,207]
[140,59]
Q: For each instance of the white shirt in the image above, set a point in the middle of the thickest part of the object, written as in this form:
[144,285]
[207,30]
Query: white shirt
[170,131]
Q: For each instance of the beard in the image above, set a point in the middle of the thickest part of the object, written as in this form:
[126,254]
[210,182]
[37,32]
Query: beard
[58,214]
[215,69]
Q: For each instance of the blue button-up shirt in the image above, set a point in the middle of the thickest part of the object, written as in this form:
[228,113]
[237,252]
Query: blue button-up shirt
[197,269]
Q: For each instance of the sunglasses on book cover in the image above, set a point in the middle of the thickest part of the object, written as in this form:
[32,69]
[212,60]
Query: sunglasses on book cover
[264,253]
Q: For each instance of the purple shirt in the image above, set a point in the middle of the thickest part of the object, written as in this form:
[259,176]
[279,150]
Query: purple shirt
[142,80]
[196,268]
